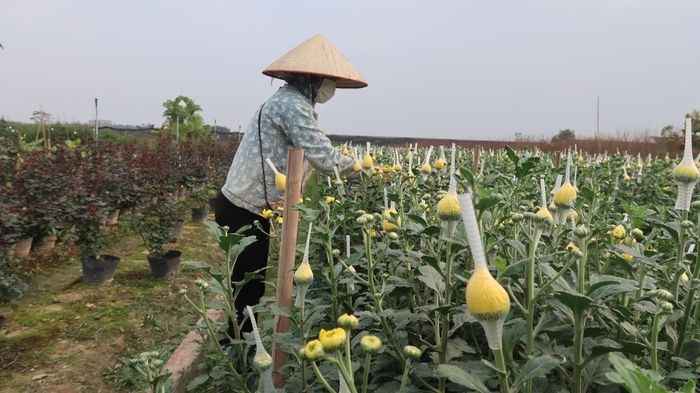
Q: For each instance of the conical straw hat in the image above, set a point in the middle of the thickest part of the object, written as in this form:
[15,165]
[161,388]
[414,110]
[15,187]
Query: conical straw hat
[319,57]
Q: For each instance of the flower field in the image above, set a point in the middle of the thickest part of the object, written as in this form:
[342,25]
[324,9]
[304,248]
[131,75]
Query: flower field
[514,275]
[425,269]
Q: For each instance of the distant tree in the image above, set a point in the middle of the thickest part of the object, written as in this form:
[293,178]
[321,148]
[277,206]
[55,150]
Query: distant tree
[184,110]
[564,135]
[667,131]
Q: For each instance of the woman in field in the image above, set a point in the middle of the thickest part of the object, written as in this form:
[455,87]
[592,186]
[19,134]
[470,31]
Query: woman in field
[312,71]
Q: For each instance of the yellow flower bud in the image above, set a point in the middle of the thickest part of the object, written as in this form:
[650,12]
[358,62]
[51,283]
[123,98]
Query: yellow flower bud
[545,215]
[448,208]
[303,275]
[332,339]
[348,321]
[686,173]
[329,199]
[619,232]
[371,344]
[280,220]
[565,195]
[262,361]
[426,169]
[266,213]
[627,257]
[280,181]
[439,164]
[357,166]
[387,225]
[367,162]
[412,352]
[313,350]
[486,298]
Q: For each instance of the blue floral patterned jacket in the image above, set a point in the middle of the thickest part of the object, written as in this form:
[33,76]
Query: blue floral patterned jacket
[288,119]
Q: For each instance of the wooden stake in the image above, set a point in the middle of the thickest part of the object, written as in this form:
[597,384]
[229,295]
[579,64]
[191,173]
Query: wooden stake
[475,164]
[288,247]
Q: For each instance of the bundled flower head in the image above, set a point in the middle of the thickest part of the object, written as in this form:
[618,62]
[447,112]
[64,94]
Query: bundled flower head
[303,276]
[426,168]
[367,161]
[441,162]
[686,174]
[280,178]
[389,210]
[397,161]
[566,194]
[486,299]
[543,213]
[448,207]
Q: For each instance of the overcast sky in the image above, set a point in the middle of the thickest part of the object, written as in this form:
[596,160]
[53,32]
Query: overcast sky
[445,69]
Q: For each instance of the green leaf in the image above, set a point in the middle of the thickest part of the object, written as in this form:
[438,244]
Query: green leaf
[575,302]
[689,387]
[500,263]
[632,377]
[461,377]
[198,380]
[431,278]
[512,155]
[536,367]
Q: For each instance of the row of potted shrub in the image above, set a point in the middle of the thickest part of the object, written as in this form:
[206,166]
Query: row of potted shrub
[71,190]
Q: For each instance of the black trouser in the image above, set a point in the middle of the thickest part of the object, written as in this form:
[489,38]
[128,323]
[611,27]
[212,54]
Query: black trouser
[254,256]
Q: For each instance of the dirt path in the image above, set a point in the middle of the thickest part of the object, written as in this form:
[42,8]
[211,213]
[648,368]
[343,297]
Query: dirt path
[65,336]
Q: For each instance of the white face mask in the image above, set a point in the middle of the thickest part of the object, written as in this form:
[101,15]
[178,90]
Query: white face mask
[326,91]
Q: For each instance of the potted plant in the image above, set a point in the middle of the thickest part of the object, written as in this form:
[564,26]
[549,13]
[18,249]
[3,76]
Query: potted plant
[90,239]
[155,226]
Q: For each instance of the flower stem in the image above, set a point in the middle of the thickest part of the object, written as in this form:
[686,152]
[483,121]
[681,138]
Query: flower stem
[404,378]
[531,300]
[365,372]
[502,372]
[321,378]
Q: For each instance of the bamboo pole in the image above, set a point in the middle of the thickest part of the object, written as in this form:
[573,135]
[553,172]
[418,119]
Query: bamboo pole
[288,246]
[475,163]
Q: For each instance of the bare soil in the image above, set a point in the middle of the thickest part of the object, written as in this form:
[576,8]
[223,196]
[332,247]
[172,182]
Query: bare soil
[65,336]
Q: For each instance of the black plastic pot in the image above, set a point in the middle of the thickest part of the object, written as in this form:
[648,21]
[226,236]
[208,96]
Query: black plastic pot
[164,265]
[99,270]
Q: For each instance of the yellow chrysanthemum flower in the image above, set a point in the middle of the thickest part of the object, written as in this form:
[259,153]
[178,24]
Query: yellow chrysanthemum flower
[448,208]
[619,232]
[280,181]
[367,162]
[262,360]
[486,298]
[348,321]
[686,173]
[371,344]
[565,195]
[266,213]
[313,350]
[303,275]
[387,225]
[329,199]
[332,339]
[627,257]
[439,164]
[545,214]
